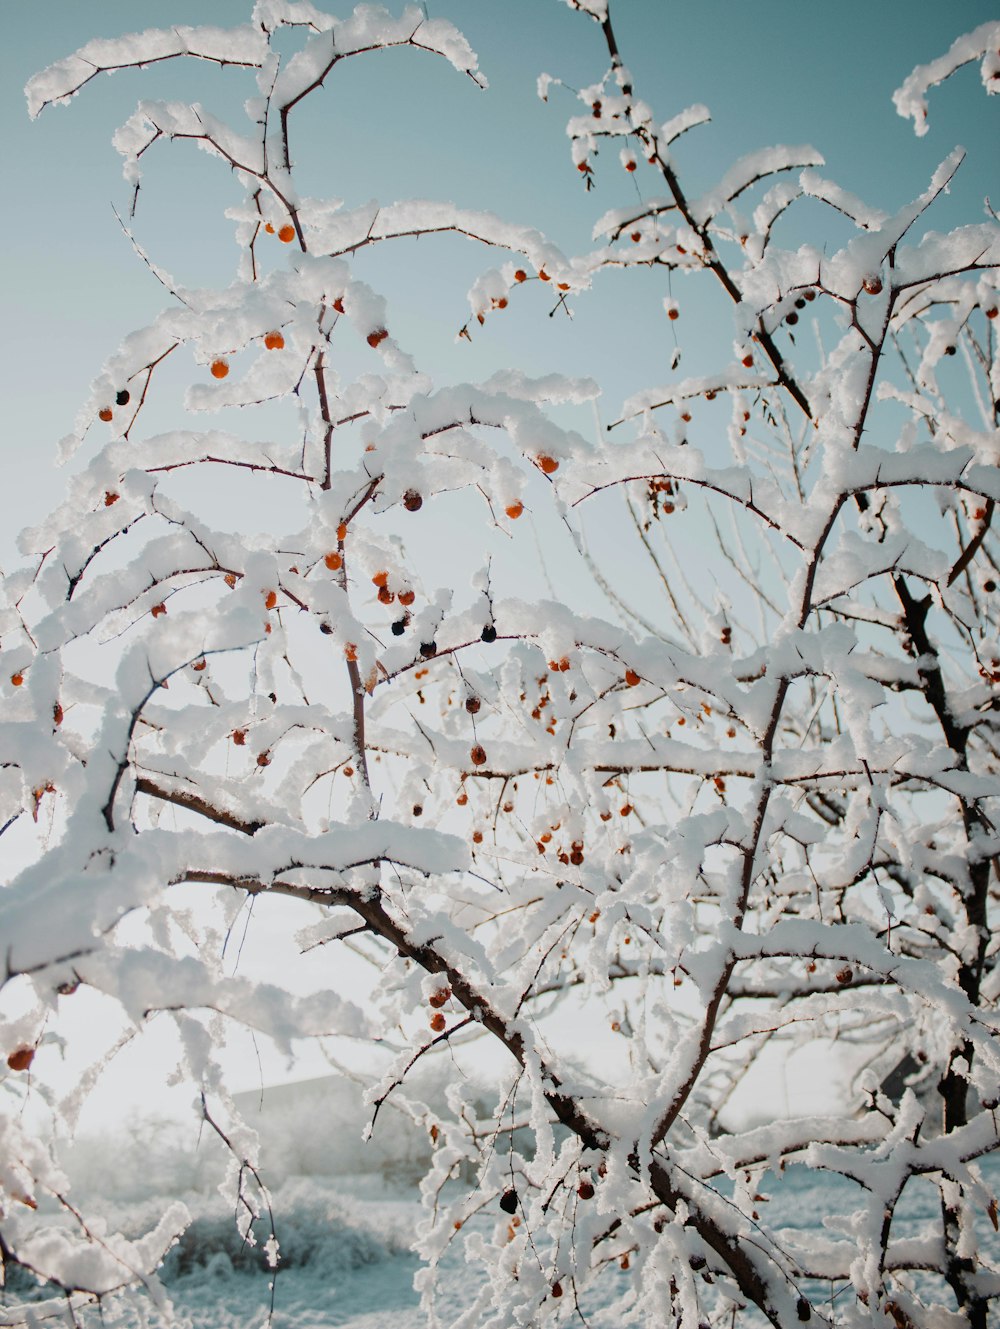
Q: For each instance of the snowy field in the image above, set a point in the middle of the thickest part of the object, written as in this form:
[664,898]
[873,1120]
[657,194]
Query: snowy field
[345,1216]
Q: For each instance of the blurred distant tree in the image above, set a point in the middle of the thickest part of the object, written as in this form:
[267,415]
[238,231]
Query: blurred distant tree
[761,810]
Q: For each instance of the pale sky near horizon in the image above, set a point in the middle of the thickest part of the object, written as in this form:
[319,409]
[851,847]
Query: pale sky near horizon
[406,125]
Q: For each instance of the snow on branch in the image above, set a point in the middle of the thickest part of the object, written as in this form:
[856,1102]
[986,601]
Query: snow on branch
[910,98]
[243,46]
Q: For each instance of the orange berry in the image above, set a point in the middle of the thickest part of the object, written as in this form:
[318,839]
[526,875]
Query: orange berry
[348,771]
[477,837]
[462,799]
[437,1022]
[338,305]
[274,341]
[219,369]
[342,531]
[105,414]
[351,651]
[520,275]
[377,337]
[514,510]
[747,361]
[110,497]
[270,599]
[239,737]
[546,464]
[543,275]
[407,597]
[630,166]
[269,228]
[991,312]
[287,234]
[635,237]
[385,596]
[440,998]
[333,561]
[159,609]
[502,302]
[631,678]
[21,1058]
[230,579]
[57,714]
[264,758]
[381,579]
[199,665]
[562,286]
[413,500]
[478,755]
[673,313]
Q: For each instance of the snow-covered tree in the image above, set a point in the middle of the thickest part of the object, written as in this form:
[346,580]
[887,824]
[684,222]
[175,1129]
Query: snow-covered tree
[761,811]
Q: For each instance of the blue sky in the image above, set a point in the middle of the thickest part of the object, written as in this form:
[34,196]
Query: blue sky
[404,124]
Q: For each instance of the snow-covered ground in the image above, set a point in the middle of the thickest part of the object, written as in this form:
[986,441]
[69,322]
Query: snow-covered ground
[345,1215]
